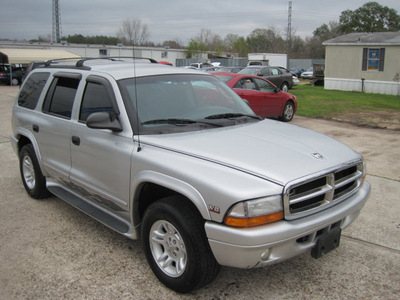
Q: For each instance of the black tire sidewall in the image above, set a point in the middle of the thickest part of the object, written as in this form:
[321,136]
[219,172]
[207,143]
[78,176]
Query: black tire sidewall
[192,237]
[39,190]
[284,119]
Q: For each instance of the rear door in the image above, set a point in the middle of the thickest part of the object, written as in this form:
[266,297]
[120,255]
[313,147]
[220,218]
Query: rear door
[275,77]
[53,128]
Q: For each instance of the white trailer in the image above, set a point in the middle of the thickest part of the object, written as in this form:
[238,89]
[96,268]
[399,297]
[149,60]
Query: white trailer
[268,59]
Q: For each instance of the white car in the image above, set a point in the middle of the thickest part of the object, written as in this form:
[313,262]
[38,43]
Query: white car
[308,74]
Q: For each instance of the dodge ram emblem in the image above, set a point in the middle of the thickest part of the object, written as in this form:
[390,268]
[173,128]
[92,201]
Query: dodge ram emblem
[317,156]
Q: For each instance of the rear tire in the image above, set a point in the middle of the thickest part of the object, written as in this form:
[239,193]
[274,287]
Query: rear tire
[176,245]
[285,87]
[31,174]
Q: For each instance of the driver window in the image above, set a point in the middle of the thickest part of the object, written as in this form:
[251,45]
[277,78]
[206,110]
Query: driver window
[95,99]
[246,84]
[264,86]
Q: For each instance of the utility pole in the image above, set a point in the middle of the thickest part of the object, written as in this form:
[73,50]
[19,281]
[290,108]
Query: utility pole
[55,37]
[289,27]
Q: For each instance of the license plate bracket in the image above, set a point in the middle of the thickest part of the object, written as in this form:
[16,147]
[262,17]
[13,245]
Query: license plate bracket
[327,242]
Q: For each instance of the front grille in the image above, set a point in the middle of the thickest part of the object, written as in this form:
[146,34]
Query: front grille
[306,197]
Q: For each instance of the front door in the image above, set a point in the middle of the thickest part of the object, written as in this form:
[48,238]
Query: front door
[101,158]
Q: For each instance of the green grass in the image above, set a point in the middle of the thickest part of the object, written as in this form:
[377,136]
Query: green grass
[315,101]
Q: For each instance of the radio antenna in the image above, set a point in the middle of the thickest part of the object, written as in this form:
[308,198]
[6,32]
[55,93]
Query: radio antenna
[136,98]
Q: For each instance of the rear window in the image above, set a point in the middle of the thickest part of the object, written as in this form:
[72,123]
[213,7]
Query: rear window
[60,97]
[31,90]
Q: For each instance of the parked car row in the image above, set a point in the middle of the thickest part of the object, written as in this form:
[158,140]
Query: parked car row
[11,76]
[276,75]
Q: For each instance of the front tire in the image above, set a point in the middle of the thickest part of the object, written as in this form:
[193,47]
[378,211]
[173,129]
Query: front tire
[288,112]
[31,175]
[176,246]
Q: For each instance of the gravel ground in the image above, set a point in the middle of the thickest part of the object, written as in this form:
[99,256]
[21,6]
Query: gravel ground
[49,250]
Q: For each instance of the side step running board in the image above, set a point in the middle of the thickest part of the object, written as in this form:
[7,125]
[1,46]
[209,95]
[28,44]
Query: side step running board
[98,214]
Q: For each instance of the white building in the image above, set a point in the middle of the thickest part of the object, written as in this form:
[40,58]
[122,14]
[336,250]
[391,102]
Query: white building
[363,62]
[48,50]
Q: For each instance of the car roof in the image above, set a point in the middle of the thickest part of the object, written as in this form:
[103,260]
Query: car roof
[236,75]
[239,76]
[256,67]
[127,70]
[117,69]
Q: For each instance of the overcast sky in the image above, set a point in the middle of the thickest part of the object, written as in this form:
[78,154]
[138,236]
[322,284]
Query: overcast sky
[173,19]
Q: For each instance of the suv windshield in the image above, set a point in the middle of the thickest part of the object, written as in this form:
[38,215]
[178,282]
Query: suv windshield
[182,102]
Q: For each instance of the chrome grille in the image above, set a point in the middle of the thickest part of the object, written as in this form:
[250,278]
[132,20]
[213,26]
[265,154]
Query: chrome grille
[309,196]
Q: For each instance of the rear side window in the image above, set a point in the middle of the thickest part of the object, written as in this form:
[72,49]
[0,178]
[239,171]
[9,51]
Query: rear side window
[95,99]
[275,71]
[33,87]
[265,72]
[60,98]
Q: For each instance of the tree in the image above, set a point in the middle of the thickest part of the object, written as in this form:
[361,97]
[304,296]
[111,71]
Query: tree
[40,39]
[195,49]
[98,39]
[266,40]
[133,32]
[371,17]
[326,32]
[211,41]
[314,48]
[176,44]
[297,48]
[236,43]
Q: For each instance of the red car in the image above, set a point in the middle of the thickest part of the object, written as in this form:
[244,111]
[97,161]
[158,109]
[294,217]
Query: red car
[264,98]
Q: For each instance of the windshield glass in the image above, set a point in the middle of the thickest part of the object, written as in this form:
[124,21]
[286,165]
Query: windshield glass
[184,100]
[224,78]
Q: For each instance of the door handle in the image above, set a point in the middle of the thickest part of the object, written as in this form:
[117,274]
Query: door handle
[76,140]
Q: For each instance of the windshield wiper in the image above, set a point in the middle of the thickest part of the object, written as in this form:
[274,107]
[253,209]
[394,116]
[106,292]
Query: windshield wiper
[178,122]
[232,116]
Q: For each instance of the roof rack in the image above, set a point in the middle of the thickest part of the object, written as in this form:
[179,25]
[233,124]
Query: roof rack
[50,61]
[81,62]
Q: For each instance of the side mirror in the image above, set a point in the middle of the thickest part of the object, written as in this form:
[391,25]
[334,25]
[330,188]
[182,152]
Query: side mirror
[103,120]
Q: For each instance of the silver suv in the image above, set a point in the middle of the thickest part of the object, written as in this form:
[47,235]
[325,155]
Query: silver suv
[176,158]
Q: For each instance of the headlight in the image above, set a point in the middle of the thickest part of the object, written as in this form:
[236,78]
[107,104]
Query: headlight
[255,212]
[364,171]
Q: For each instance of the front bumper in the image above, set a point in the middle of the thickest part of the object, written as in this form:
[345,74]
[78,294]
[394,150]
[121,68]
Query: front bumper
[265,245]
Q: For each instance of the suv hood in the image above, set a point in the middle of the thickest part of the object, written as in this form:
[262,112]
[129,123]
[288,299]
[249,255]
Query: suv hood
[272,150]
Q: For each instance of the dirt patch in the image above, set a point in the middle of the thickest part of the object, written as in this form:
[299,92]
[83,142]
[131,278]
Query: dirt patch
[374,119]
